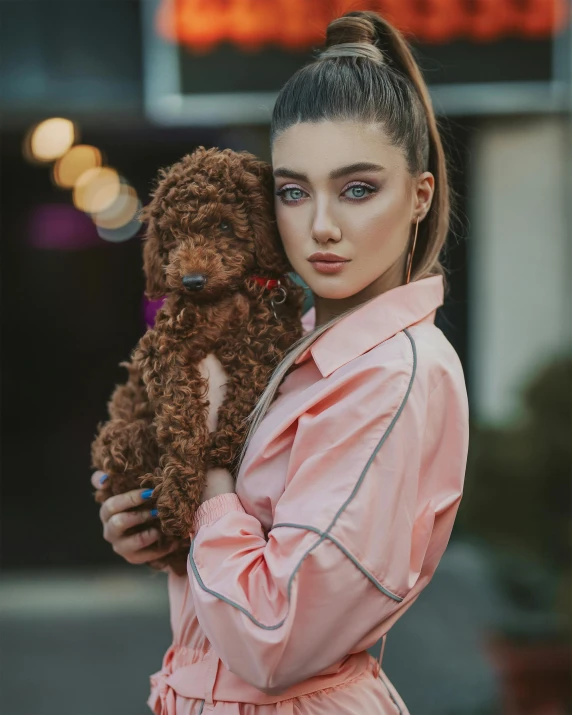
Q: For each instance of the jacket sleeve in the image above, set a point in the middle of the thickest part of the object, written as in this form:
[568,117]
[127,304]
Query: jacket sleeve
[369,505]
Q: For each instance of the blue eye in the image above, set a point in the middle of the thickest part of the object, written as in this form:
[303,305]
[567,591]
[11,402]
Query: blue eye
[359,191]
[290,194]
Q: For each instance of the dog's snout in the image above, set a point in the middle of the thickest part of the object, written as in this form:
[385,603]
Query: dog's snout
[194,281]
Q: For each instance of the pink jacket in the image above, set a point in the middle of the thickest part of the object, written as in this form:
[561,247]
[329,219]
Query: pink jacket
[344,505]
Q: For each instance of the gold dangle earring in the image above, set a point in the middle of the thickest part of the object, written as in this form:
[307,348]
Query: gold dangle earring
[410,261]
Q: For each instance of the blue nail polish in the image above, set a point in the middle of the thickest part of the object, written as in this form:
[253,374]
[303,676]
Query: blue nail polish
[147,493]
[154,512]
[103,479]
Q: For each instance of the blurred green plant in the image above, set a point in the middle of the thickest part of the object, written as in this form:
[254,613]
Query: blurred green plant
[517,503]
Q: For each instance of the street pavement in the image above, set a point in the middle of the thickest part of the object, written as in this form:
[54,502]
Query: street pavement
[85,643]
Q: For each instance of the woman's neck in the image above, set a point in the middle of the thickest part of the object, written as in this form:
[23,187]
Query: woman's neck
[328,308]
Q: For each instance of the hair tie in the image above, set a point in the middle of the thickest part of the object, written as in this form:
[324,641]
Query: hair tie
[354,49]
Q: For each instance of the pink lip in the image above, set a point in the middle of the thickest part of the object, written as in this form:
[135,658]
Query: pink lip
[327,257]
[327,262]
[328,266]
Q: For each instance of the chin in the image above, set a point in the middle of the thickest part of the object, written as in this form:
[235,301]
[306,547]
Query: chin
[331,289]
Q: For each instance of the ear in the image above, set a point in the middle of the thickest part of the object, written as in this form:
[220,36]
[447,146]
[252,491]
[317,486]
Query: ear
[152,259]
[424,191]
[270,254]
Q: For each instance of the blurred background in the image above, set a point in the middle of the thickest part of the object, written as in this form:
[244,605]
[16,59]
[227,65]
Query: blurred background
[97,95]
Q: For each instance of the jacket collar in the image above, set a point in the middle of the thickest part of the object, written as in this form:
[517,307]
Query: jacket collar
[374,322]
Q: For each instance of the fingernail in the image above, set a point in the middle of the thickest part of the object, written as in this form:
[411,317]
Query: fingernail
[154,512]
[147,493]
[103,479]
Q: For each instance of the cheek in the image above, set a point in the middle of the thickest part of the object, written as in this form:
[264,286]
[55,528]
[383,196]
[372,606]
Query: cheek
[289,228]
[384,216]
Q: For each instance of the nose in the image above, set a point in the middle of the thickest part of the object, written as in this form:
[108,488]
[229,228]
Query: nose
[324,228]
[194,281]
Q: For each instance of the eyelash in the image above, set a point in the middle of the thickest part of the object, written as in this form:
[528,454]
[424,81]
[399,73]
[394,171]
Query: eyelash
[281,192]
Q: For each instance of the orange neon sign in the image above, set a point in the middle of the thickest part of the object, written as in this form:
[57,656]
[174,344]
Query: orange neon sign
[300,24]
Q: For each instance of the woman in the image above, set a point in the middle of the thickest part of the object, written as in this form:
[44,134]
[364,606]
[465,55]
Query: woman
[351,479]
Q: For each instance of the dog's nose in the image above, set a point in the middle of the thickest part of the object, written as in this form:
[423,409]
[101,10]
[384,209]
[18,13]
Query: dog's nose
[194,281]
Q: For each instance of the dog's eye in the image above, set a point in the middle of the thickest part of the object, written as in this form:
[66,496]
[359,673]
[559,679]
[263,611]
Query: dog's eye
[224,226]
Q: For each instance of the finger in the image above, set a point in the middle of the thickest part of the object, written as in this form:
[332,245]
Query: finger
[131,546]
[119,523]
[122,502]
[96,479]
[101,495]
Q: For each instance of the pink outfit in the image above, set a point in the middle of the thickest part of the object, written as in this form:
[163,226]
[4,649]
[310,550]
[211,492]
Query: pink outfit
[344,505]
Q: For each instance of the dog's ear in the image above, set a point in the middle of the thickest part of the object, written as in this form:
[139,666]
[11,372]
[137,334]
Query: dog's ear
[270,254]
[155,287]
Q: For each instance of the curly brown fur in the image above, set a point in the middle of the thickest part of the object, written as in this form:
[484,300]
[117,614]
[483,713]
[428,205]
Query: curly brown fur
[126,448]
[127,443]
[211,215]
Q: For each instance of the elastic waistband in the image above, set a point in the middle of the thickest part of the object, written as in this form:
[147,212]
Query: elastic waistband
[189,682]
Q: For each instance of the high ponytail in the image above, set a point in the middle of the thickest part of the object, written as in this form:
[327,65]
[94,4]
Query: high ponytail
[367,73]
[399,57]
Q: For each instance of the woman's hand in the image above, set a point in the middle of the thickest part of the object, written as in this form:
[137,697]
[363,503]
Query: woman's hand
[117,519]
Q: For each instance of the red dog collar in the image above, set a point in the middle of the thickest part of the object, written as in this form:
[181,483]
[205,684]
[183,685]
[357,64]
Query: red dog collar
[266,282]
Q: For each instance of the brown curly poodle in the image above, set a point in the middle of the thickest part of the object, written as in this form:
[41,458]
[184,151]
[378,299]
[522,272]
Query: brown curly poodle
[212,248]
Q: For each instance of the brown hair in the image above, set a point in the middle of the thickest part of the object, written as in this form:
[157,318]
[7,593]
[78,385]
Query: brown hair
[367,73]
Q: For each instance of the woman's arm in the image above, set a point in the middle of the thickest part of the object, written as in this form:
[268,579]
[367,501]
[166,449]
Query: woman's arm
[358,533]
[219,481]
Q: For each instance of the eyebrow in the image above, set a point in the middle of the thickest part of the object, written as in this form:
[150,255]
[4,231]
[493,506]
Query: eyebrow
[285,173]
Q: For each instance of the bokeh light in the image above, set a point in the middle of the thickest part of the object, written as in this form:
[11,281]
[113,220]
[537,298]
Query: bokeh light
[60,227]
[124,233]
[74,163]
[96,189]
[51,139]
[150,309]
[121,211]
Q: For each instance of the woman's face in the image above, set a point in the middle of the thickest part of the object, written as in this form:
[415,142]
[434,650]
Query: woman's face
[343,189]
